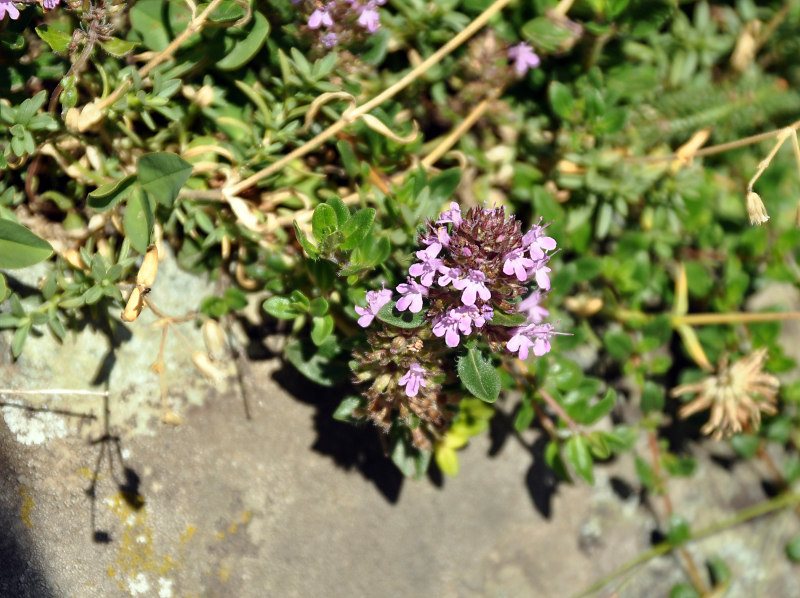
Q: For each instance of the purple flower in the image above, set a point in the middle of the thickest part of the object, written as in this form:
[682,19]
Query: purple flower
[524,58]
[539,272]
[413,379]
[320,17]
[536,336]
[375,301]
[51,4]
[8,8]
[412,292]
[452,215]
[329,40]
[446,326]
[369,18]
[430,264]
[472,285]
[442,237]
[535,240]
[448,275]
[530,306]
[467,315]
[516,263]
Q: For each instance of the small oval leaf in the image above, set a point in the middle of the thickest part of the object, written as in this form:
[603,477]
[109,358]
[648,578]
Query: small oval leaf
[479,376]
[19,247]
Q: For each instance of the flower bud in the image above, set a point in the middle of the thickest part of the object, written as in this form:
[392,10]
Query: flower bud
[134,306]
[214,339]
[204,365]
[147,273]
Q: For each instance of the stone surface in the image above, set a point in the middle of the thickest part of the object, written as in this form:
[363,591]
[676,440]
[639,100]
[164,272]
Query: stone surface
[288,502]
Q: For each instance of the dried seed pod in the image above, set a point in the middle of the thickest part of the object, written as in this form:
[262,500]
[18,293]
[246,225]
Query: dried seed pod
[214,339]
[134,306]
[73,256]
[147,273]
[205,366]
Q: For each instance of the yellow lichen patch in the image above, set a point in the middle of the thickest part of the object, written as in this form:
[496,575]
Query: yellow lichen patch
[247,516]
[187,535]
[85,472]
[136,561]
[27,506]
[224,572]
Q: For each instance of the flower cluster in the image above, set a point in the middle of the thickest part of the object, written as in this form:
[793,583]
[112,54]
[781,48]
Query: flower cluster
[471,266]
[7,7]
[475,264]
[336,21]
[468,279]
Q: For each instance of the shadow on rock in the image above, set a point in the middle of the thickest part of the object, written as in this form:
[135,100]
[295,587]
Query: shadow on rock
[350,446]
[127,483]
[21,574]
[540,480]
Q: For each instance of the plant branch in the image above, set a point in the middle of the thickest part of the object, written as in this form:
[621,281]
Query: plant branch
[782,501]
[353,115]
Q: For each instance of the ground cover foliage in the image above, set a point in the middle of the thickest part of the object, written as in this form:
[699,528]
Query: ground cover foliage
[556,210]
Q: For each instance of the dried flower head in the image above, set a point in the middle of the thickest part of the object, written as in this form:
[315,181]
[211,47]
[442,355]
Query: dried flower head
[756,210]
[736,395]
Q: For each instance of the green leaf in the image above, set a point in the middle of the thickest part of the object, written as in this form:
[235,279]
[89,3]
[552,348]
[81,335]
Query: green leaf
[524,417]
[357,228]
[678,531]
[318,364]
[20,336]
[344,412]
[323,221]
[402,319]
[281,307]
[162,175]
[547,35]
[443,185]
[653,397]
[577,454]
[618,345]
[138,220]
[793,549]
[57,40]
[321,328]
[235,298]
[3,288]
[682,590]
[479,376]
[155,21]
[341,209]
[118,47]
[645,473]
[602,408]
[408,459]
[598,445]
[248,46]
[446,459]
[561,100]
[309,247]
[501,318]
[19,247]
[318,307]
[107,196]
